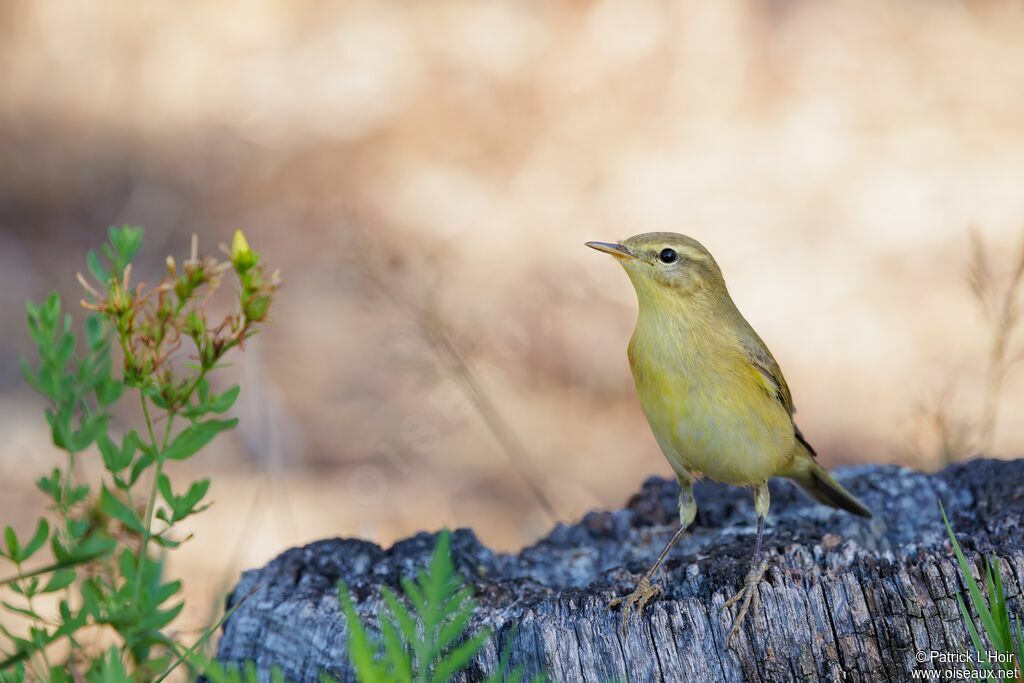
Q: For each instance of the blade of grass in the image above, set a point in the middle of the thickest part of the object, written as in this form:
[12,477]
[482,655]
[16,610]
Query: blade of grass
[977,599]
[999,607]
[979,646]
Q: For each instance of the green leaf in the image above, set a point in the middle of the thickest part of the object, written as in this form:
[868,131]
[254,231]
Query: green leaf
[60,429]
[212,403]
[443,608]
[166,592]
[452,630]
[361,652]
[117,459]
[405,621]
[127,563]
[157,619]
[51,485]
[164,542]
[77,494]
[24,647]
[126,243]
[36,542]
[460,656]
[91,429]
[414,594]
[96,268]
[183,506]
[95,546]
[60,580]
[109,668]
[64,350]
[113,507]
[140,466]
[223,402]
[196,436]
[163,484]
[108,392]
[395,652]
[13,547]
[196,492]
[95,332]
[10,607]
[15,674]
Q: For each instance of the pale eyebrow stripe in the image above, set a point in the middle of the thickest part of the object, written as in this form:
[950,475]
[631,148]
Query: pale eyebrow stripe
[691,253]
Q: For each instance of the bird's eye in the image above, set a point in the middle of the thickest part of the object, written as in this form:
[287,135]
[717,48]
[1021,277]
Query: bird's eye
[668,256]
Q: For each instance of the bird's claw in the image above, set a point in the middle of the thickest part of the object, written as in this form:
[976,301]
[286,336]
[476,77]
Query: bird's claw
[749,596]
[639,598]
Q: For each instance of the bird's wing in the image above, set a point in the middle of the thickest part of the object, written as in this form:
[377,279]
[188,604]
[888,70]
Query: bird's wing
[760,357]
[774,383]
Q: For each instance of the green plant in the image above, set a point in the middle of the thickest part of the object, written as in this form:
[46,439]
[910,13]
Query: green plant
[1006,637]
[431,641]
[106,536]
[216,673]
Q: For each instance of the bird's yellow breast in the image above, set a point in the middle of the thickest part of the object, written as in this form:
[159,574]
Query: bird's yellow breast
[705,402]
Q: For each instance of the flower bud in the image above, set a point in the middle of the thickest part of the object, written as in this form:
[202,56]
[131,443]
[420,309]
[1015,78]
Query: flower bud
[242,257]
[256,308]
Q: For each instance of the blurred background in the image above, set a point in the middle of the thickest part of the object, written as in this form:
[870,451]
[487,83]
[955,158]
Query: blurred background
[444,350]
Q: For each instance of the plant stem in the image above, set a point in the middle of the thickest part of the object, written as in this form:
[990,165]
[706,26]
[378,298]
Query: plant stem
[67,484]
[147,532]
[36,619]
[42,650]
[151,504]
[42,570]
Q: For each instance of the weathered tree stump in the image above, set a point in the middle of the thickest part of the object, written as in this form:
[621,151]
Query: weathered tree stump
[843,599]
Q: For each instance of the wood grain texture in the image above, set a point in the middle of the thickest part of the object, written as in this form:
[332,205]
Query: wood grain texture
[844,598]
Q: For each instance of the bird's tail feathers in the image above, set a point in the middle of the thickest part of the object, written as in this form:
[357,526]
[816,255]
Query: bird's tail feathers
[819,485]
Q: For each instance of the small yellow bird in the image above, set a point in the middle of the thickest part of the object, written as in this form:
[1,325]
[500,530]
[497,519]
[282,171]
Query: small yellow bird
[713,394]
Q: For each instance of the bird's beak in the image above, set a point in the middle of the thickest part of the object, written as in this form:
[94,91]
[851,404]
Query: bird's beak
[616,250]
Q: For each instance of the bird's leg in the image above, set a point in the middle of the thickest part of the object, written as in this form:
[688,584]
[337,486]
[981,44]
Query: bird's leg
[645,590]
[748,594]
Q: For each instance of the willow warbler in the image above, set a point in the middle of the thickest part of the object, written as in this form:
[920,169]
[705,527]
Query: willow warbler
[713,394]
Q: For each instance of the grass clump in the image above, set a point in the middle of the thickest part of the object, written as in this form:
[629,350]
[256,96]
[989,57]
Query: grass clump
[1005,635]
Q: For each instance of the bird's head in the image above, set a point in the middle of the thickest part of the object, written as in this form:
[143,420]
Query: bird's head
[666,265]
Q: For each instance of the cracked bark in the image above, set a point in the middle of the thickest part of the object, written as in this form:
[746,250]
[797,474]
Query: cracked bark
[843,599]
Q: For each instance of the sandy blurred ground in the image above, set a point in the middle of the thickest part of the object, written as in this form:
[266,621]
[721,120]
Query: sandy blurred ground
[452,156]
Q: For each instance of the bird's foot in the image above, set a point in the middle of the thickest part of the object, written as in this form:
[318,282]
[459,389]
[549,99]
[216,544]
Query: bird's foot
[747,597]
[643,592]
